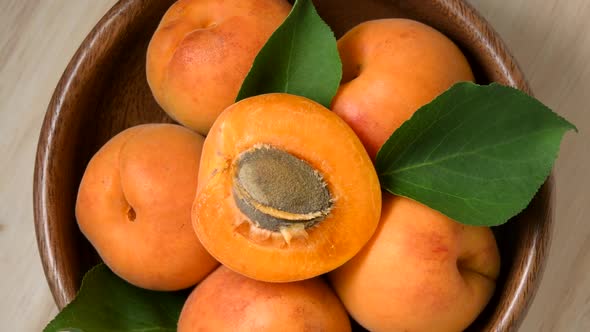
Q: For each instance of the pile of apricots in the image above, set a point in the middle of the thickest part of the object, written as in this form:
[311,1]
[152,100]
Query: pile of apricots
[272,205]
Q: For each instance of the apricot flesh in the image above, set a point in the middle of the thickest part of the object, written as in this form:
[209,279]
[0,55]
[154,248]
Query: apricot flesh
[228,301]
[421,271]
[134,206]
[201,52]
[302,247]
[392,67]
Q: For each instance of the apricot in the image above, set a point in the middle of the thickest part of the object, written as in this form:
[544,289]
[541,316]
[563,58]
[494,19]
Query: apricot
[421,271]
[134,206]
[228,301]
[201,52]
[286,190]
[392,67]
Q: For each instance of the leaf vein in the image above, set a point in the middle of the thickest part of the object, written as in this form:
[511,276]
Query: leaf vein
[288,67]
[452,195]
[483,179]
[472,152]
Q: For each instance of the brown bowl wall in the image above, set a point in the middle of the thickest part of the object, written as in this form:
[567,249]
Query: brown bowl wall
[104,90]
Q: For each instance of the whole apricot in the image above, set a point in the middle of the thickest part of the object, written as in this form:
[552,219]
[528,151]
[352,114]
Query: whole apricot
[201,52]
[392,67]
[286,190]
[228,301]
[420,272]
[134,206]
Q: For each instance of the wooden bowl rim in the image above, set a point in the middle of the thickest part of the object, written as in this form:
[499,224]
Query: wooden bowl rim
[458,11]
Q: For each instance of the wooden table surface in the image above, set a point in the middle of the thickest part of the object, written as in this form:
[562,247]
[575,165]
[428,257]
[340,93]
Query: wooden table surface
[550,39]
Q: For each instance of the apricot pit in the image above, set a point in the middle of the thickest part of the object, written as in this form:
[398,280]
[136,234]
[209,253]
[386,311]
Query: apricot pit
[277,190]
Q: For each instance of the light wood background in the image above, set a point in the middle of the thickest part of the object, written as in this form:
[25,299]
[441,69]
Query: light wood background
[550,39]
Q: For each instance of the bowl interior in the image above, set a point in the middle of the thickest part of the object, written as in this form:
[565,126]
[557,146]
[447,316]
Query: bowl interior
[104,90]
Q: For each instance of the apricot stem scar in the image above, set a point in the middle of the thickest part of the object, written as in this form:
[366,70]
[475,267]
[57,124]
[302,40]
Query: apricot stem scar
[131,214]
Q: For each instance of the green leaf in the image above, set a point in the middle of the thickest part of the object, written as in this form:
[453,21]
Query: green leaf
[478,154]
[300,58]
[106,302]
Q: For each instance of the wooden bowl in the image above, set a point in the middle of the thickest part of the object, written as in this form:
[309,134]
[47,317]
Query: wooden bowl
[104,90]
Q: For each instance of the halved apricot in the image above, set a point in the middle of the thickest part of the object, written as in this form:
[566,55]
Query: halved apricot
[286,189]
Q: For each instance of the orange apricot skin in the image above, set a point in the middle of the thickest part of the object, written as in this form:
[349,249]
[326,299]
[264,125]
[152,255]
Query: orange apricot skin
[421,271]
[134,205]
[201,52]
[290,123]
[228,301]
[392,67]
